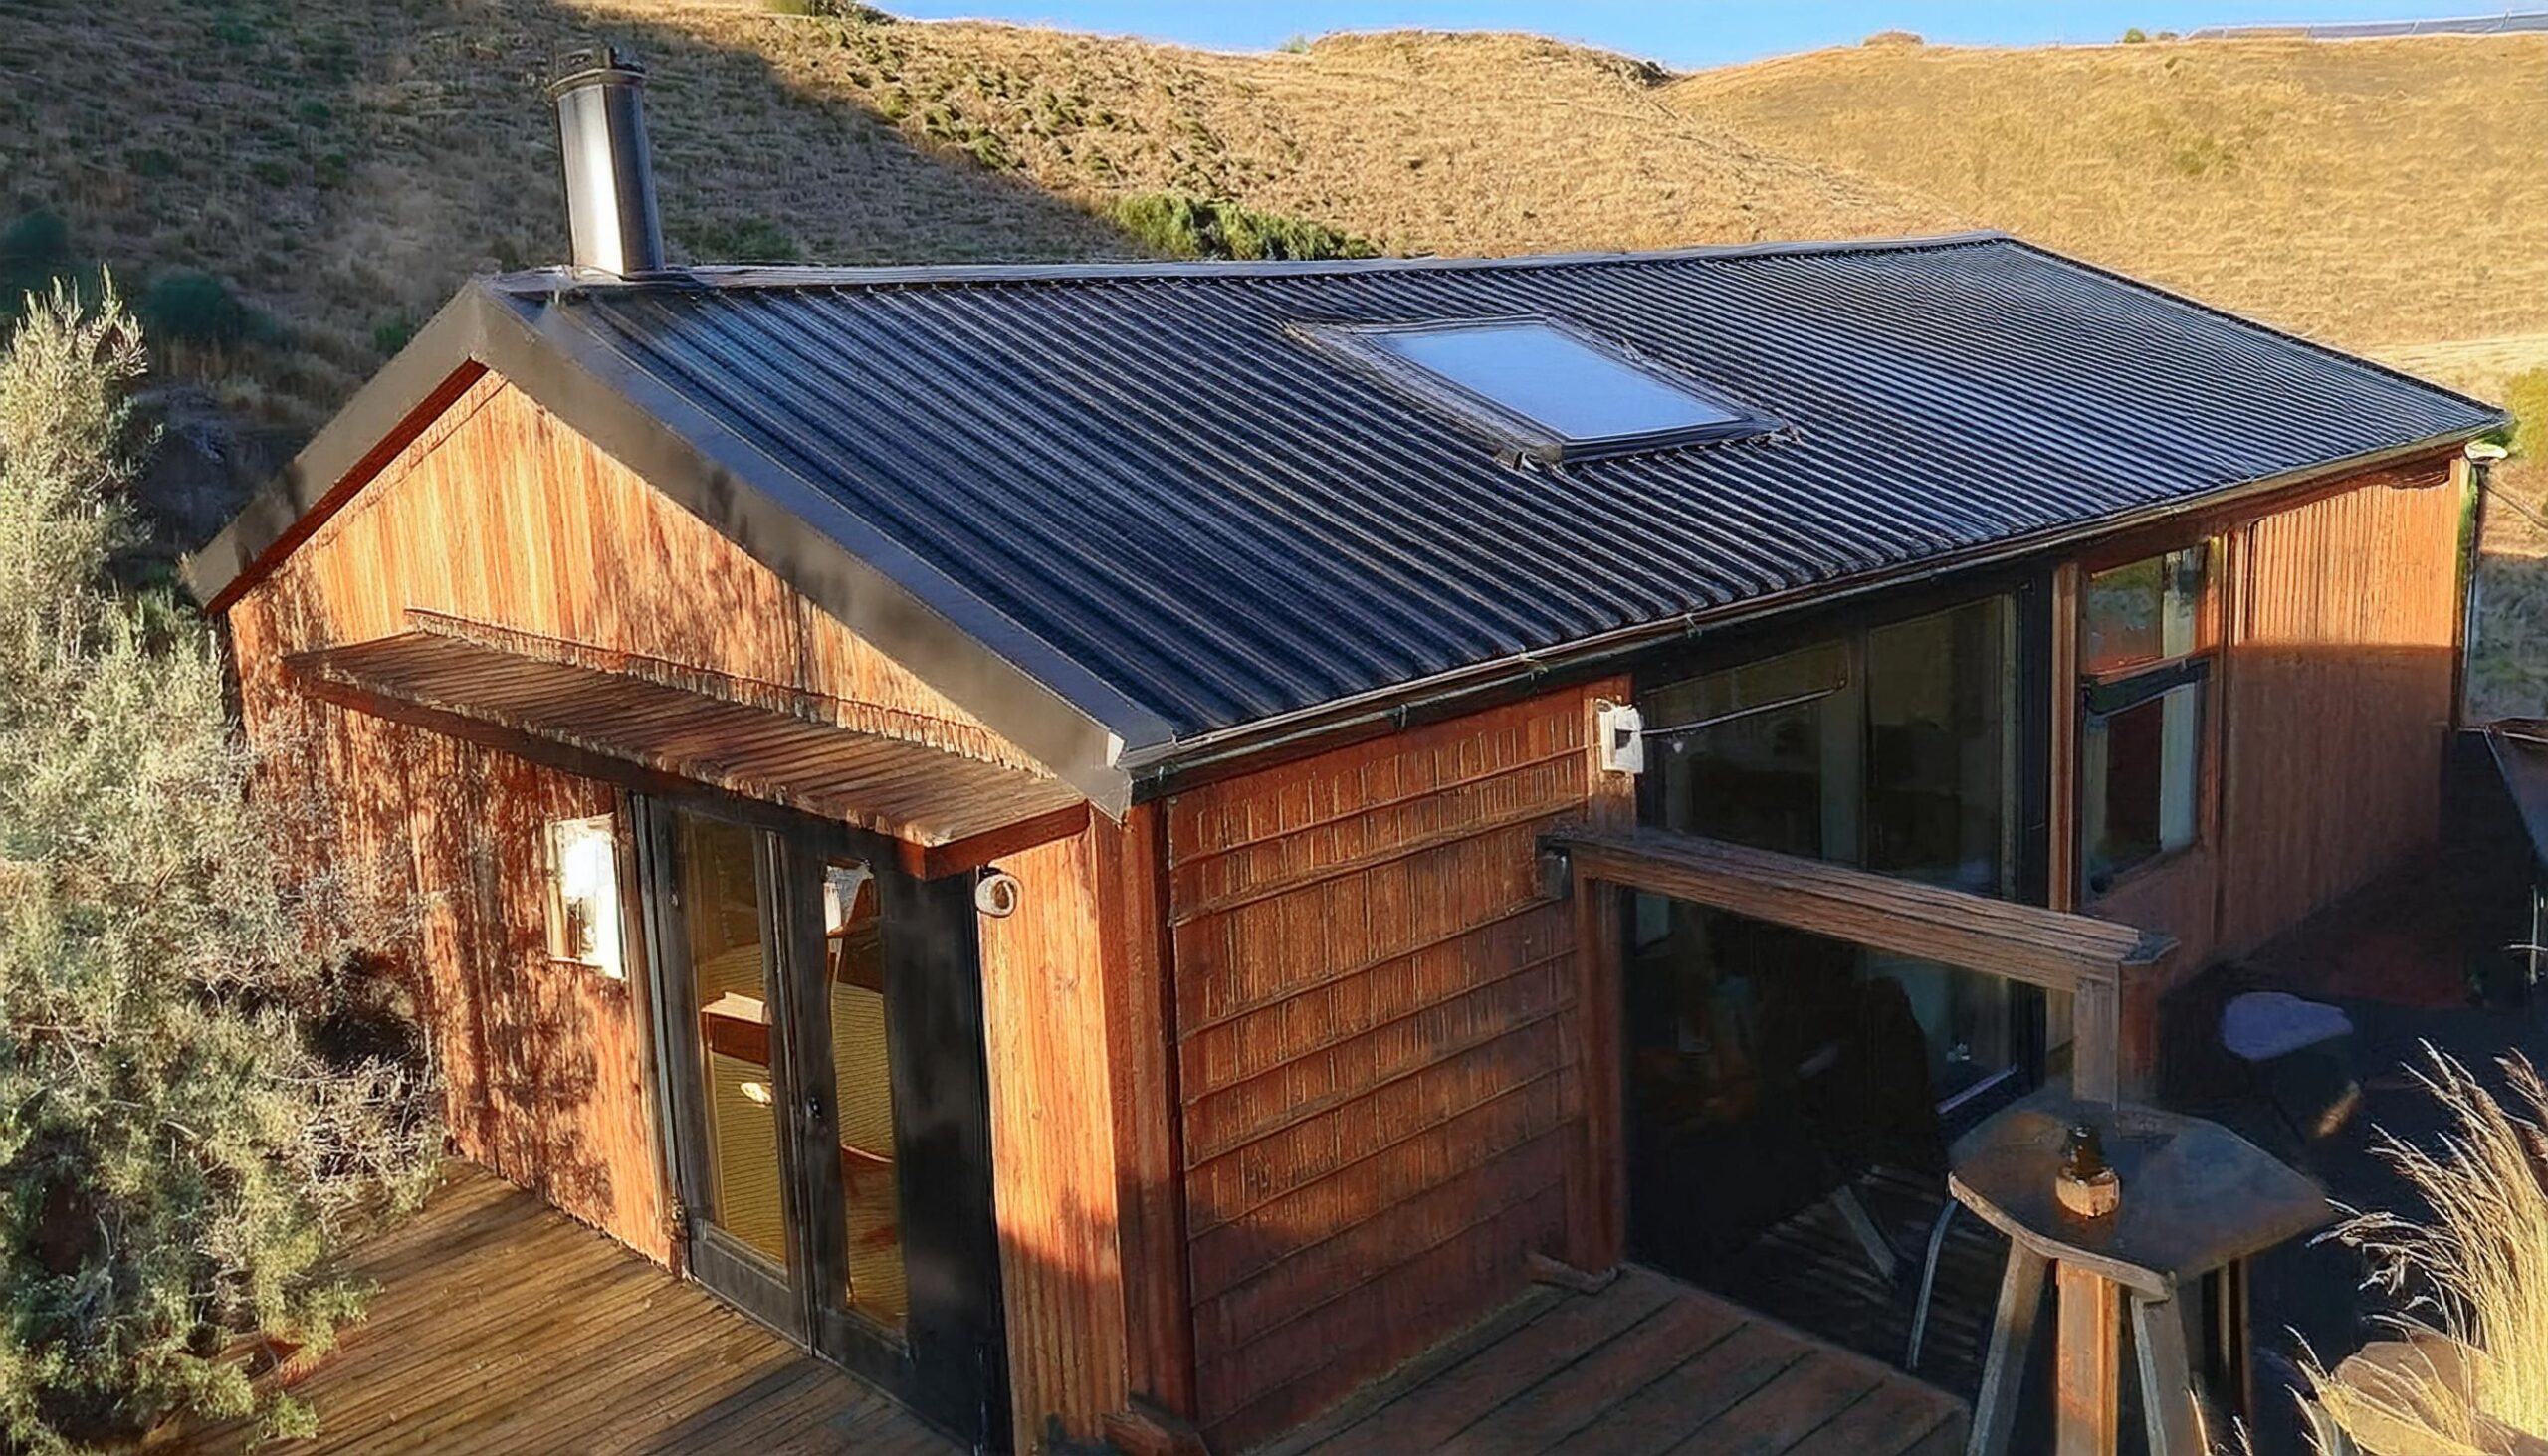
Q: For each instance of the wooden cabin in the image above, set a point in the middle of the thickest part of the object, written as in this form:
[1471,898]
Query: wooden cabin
[1120,849]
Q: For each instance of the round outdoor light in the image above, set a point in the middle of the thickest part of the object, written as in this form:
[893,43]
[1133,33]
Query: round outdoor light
[995,893]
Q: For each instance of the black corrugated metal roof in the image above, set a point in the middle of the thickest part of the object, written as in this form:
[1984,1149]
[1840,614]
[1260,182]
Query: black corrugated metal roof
[1147,471]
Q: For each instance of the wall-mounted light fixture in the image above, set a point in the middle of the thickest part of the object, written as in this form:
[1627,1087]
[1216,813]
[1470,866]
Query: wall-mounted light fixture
[995,893]
[583,893]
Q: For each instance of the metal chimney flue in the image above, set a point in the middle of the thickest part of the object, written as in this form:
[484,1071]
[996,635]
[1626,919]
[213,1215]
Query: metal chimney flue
[610,178]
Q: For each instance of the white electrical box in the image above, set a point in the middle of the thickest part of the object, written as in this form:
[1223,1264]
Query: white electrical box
[1623,731]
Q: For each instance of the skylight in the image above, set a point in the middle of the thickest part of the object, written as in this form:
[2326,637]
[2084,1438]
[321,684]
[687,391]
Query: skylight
[1546,390]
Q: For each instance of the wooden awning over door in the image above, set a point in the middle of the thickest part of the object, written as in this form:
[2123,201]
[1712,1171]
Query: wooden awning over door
[750,738]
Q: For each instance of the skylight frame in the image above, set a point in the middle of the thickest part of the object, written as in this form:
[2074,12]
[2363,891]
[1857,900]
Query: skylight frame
[1518,435]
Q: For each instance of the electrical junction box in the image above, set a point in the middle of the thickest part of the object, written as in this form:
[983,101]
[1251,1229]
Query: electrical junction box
[1623,731]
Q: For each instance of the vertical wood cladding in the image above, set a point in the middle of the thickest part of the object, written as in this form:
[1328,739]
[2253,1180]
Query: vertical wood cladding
[1377,1031]
[2331,712]
[542,1062]
[2345,628]
[497,513]
[1044,991]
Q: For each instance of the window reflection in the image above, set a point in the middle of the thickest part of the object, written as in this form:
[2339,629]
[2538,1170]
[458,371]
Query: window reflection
[1792,1095]
[721,903]
[1894,749]
[2146,641]
[871,1196]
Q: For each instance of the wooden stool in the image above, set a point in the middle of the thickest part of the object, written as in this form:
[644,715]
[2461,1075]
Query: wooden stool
[2198,1200]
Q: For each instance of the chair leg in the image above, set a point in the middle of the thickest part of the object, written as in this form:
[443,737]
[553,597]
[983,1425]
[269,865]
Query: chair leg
[2166,1379]
[1995,1408]
[1879,1251]
[1928,1286]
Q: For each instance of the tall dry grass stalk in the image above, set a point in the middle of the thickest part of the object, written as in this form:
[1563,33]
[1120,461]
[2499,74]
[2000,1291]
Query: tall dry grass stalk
[2469,1374]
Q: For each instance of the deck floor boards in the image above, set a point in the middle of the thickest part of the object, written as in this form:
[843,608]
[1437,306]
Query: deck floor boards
[1646,1366]
[502,1325]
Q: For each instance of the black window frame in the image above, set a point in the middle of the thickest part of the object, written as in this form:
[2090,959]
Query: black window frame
[2104,695]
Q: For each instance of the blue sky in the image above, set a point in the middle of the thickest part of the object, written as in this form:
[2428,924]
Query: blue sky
[1685,33]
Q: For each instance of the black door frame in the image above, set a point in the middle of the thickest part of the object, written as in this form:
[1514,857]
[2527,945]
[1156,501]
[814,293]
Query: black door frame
[949,1361]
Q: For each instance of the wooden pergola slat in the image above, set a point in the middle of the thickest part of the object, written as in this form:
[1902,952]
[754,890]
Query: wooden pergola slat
[2056,950]
[698,726]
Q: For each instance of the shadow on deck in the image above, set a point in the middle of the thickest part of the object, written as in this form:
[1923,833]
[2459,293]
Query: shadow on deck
[1646,1366]
[502,1325]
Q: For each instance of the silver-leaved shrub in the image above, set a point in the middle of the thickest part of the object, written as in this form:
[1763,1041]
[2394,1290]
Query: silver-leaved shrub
[197,1108]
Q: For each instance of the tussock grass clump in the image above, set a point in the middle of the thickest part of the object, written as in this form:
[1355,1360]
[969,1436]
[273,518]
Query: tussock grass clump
[2474,1272]
[1182,225]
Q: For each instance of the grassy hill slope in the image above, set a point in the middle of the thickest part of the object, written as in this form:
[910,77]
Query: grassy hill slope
[343,166]
[2384,195]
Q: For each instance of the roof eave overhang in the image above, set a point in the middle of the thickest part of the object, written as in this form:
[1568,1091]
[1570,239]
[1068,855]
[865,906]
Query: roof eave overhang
[1159,770]
[1015,684]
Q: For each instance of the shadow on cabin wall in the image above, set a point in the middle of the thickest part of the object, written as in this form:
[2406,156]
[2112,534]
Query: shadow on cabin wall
[2334,781]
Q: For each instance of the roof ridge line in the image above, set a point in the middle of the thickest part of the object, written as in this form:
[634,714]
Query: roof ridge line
[555,281]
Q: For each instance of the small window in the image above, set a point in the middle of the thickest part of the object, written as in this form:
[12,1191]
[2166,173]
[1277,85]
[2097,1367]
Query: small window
[583,893]
[1545,389]
[2146,639]
[2146,613]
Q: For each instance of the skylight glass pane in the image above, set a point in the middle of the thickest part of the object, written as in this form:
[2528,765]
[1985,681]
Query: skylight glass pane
[1573,391]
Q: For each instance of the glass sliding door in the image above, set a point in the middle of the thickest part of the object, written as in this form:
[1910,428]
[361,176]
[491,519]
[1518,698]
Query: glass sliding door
[818,1021]
[742,1208]
[862,1077]
[1941,777]
[1893,748]
[1792,1097]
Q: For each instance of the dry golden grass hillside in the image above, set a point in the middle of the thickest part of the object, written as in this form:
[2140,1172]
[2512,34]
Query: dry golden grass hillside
[344,166]
[2384,195]
[341,167]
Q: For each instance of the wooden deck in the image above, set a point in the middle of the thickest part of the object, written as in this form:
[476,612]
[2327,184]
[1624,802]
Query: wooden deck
[1646,1367]
[502,1325]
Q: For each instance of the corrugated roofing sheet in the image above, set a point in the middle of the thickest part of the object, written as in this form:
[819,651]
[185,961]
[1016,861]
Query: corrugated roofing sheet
[1153,473]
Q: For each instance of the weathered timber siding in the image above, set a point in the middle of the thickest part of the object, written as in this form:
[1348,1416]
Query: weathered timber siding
[1044,989]
[2346,626]
[2332,703]
[499,514]
[543,1064]
[1378,1033]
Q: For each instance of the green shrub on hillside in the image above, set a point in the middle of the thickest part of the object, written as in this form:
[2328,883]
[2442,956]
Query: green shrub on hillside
[1183,225]
[392,332]
[187,307]
[185,1137]
[34,254]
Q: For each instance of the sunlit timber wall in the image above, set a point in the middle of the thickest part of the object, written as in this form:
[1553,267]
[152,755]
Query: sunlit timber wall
[1377,1036]
[2340,638]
